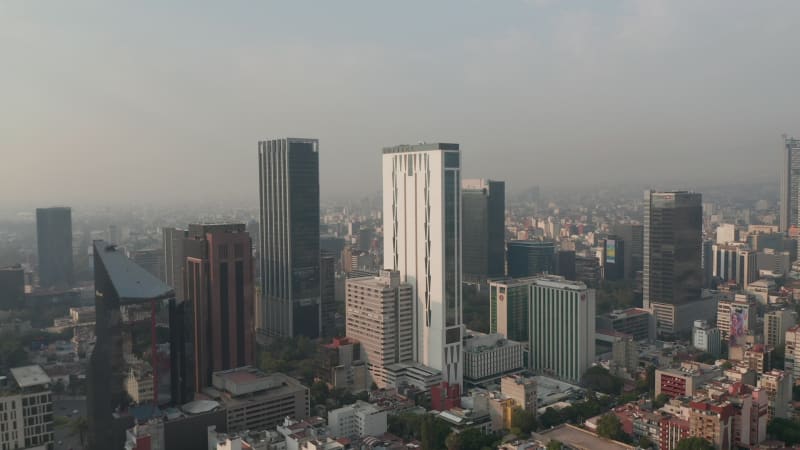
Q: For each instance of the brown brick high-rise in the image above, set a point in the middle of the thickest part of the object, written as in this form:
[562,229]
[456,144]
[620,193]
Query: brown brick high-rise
[218,281]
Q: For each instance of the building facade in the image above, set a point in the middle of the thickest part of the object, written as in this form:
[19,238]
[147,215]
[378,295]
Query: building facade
[218,284]
[673,224]
[289,238]
[54,246]
[357,421]
[379,315]
[422,240]
[530,258]
[483,229]
[26,404]
[490,356]
[790,183]
[776,324]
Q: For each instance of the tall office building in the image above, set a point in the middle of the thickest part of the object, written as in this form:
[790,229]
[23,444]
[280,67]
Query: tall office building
[556,317]
[790,183]
[54,244]
[484,229]
[422,240]
[290,255]
[673,223]
[118,283]
[218,285]
[151,260]
[633,235]
[529,258]
[613,258]
[734,263]
[776,324]
[12,287]
[380,315]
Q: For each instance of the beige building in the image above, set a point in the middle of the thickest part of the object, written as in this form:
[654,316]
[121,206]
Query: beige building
[736,316]
[254,400]
[778,385]
[139,383]
[379,314]
[792,352]
[776,324]
[520,389]
[27,410]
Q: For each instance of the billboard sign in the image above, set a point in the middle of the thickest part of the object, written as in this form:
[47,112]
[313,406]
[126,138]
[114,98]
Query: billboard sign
[611,251]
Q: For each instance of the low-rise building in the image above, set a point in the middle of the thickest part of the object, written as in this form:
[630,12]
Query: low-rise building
[254,400]
[778,385]
[706,338]
[520,389]
[637,322]
[683,381]
[488,357]
[356,421]
[27,409]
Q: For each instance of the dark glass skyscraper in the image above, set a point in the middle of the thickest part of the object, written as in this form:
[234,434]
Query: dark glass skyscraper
[528,258]
[483,228]
[790,183]
[673,226]
[290,256]
[633,235]
[54,243]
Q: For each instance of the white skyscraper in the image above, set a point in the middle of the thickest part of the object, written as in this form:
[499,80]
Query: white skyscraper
[422,240]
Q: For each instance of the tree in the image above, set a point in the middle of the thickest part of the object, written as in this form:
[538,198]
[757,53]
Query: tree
[644,442]
[453,441]
[524,420]
[694,443]
[550,418]
[598,378]
[319,393]
[554,445]
[660,400]
[610,427]
[784,430]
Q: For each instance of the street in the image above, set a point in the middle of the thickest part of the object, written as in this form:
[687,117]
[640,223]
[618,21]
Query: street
[64,407]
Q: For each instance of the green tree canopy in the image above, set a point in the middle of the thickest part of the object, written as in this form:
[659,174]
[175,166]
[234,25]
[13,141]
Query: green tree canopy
[784,430]
[610,427]
[694,443]
[524,420]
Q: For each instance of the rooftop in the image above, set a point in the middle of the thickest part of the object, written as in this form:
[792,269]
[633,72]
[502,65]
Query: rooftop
[132,283]
[421,147]
[28,376]
[581,439]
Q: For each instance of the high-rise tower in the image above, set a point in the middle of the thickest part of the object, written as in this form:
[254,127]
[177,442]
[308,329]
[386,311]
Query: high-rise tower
[484,229]
[673,228]
[422,240]
[790,183]
[218,284]
[289,241]
[54,244]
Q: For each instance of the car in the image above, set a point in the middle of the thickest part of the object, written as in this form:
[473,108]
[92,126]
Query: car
[74,412]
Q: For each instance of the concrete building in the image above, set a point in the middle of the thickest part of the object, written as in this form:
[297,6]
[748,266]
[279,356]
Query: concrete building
[379,315]
[422,240]
[27,409]
[778,385]
[342,366]
[790,183]
[677,319]
[490,356]
[174,260]
[139,383]
[706,338]
[634,321]
[54,247]
[612,260]
[357,421]
[289,238]
[218,284]
[522,390]
[624,352]
[736,317]
[483,241]
[587,269]
[734,262]
[685,380]
[776,324]
[713,421]
[726,233]
[777,262]
[561,327]
[673,223]
[254,400]
[529,258]
[509,306]
[792,352]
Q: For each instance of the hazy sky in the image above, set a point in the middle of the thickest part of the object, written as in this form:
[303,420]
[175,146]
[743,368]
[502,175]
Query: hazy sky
[165,101]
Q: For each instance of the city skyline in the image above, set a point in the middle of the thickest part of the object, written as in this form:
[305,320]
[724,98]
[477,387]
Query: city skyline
[602,84]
